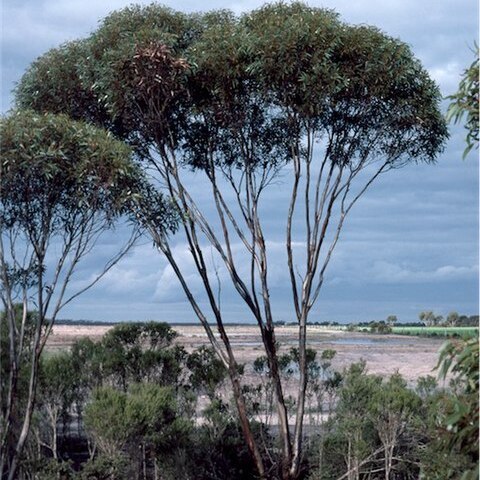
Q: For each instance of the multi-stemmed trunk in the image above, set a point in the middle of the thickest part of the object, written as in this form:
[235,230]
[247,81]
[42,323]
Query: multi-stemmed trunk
[319,194]
[78,240]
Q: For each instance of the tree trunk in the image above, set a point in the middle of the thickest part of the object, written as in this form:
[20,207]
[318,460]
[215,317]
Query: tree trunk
[302,388]
[144,462]
[53,414]
[245,424]
[270,350]
[30,406]
[388,461]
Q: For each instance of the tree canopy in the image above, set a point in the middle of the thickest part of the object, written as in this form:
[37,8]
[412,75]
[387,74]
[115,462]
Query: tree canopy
[53,168]
[156,76]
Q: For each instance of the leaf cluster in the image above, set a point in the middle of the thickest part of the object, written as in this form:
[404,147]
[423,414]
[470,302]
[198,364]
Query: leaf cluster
[465,103]
[54,169]
[56,174]
[461,358]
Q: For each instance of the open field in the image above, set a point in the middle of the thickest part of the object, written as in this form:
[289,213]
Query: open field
[411,356]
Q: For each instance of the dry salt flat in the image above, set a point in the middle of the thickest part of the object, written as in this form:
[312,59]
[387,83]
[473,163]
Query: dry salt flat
[412,357]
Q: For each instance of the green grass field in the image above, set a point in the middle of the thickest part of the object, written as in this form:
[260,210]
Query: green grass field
[464,332]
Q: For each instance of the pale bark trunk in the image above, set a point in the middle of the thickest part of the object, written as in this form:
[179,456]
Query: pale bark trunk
[245,424]
[227,358]
[144,462]
[32,388]
[26,422]
[297,443]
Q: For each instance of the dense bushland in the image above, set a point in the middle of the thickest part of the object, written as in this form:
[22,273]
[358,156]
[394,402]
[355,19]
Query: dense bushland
[137,405]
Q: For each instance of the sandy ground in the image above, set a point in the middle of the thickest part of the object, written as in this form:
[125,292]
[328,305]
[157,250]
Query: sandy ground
[412,357]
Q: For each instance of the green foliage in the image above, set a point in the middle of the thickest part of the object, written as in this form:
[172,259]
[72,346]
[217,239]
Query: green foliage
[392,411]
[55,172]
[374,428]
[207,371]
[60,73]
[357,390]
[430,319]
[87,358]
[114,467]
[151,416]
[353,436]
[53,169]
[132,50]
[395,398]
[462,421]
[158,334]
[465,103]
[50,469]
[130,352]
[426,386]
[289,362]
[57,379]
[452,319]
[380,327]
[328,354]
[220,74]
[391,320]
[105,420]
[57,391]
[146,415]
[448,418]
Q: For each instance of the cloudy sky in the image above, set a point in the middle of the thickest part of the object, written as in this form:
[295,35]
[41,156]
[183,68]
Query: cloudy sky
[411,243]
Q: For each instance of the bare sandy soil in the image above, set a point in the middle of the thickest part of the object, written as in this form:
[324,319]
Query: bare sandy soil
[412,357]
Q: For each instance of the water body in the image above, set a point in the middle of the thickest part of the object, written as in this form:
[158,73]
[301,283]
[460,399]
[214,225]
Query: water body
[336,341]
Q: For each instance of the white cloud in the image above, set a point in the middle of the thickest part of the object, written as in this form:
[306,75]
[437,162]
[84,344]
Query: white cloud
[393,273]
[447,75]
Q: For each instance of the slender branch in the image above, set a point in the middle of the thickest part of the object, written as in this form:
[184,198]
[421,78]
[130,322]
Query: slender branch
[291,211]
[363,462]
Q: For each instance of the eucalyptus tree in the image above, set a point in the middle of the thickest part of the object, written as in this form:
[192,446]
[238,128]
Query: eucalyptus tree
[58,382]
[63,183]
[429,319]
[391,320]
[148,416]
[460,412]
[284,92]
[452,319]
[141,352]
[393,409]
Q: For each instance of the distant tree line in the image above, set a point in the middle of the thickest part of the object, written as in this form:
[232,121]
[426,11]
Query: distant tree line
[427,319]
[92,323]
[453,319]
